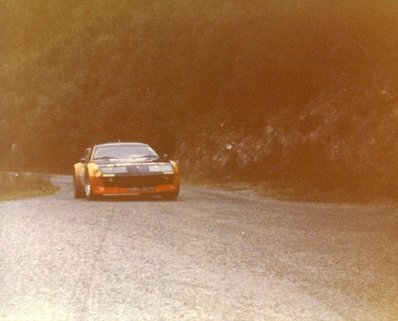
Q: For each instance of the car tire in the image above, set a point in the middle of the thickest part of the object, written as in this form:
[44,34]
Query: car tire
[87,190]
[77,193]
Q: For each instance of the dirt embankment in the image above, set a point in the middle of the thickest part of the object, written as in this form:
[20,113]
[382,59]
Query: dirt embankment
[342,142]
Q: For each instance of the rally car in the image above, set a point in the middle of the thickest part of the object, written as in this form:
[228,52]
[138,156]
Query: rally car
[125,169]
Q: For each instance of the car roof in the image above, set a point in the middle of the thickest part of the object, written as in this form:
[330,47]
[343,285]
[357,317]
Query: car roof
[121,144]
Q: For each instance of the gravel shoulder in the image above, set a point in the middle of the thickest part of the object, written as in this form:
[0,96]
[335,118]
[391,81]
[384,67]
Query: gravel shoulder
[210,255]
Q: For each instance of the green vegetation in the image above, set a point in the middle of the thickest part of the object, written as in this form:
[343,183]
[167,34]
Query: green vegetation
[13,186]
[293,91]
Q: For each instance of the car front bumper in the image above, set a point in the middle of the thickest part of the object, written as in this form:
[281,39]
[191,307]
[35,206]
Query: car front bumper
[134,185]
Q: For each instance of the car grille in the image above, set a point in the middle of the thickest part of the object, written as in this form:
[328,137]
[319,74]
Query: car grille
[137,181]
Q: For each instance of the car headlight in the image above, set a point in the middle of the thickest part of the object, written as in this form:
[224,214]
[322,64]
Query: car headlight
[119,169]
[114,170]
[161,168]
[107,170]
[96,171]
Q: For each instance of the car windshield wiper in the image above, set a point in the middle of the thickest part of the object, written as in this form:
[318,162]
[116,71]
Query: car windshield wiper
[143,156]
[103,157]
[152,156]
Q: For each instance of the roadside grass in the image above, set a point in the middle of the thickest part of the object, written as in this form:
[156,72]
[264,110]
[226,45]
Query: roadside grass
[15,186]
[297,191]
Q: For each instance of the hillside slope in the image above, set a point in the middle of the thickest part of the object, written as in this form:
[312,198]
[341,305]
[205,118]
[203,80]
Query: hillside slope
[293,90]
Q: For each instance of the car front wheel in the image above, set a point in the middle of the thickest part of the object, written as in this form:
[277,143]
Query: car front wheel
[87,189]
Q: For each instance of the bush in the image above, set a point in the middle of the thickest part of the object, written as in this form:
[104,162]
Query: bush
[13,185]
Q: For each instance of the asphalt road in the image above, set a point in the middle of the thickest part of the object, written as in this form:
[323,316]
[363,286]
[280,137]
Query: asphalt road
[210,255]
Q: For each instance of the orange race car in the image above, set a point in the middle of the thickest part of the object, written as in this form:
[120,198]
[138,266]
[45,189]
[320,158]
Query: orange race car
[125,169]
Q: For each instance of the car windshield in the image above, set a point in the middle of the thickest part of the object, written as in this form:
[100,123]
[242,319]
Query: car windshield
[124,152]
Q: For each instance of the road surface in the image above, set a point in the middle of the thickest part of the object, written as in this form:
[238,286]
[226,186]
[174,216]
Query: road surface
[210,255]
